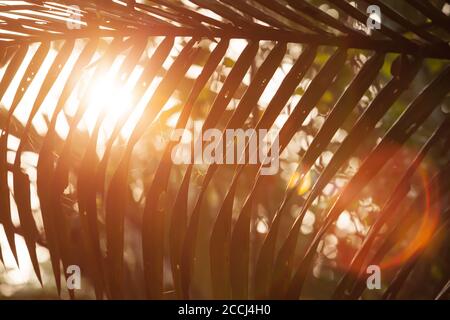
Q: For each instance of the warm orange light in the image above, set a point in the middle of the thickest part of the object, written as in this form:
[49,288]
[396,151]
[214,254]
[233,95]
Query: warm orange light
[429,221]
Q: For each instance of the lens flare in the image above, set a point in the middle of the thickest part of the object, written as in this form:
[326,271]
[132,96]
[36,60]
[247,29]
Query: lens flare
[428,223]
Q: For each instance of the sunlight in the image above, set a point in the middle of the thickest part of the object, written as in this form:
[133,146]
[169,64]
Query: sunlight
[108,97]
[25,274]
[303,184]
[107,94]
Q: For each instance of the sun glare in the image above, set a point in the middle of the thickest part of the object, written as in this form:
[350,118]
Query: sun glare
[113,100]
[109,99]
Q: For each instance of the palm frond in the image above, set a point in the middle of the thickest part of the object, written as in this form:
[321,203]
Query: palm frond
[54,50]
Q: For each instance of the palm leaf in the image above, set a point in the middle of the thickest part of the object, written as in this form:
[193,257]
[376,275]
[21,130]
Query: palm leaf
[72,173]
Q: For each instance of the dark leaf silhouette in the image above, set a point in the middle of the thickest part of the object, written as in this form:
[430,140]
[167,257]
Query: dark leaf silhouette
[97,91]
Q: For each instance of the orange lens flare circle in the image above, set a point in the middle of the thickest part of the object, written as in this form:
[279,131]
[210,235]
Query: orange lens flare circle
[412,240]
[423,234]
